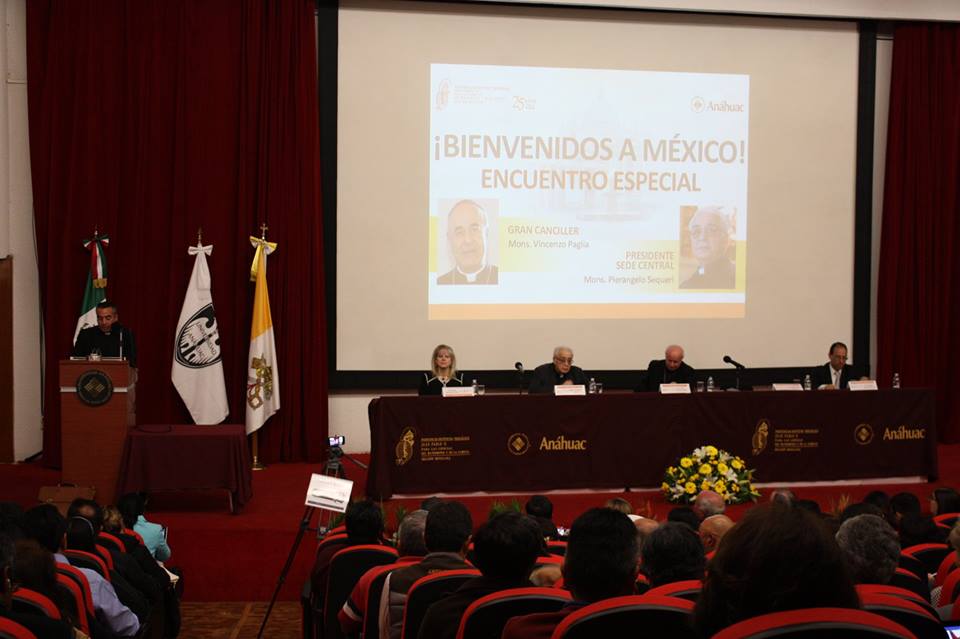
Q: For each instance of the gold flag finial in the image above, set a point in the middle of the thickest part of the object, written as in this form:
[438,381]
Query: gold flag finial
[263,230]
[260,244]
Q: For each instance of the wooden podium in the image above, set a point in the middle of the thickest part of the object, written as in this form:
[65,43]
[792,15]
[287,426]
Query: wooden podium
[97,406]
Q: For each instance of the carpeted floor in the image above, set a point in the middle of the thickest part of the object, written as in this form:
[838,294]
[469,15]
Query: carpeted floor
[238,620]
[238,558]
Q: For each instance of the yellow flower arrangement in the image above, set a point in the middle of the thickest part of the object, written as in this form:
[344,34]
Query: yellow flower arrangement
[709,468]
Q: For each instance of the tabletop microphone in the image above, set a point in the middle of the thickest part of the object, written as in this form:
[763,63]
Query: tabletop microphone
[729,360]
[519,367]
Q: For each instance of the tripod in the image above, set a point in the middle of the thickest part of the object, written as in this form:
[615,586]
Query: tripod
[332,468]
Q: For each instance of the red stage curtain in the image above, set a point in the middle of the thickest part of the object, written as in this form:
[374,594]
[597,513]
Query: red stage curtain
[918,307]
[149,120]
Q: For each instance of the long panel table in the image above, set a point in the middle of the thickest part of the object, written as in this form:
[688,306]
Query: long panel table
[425,445]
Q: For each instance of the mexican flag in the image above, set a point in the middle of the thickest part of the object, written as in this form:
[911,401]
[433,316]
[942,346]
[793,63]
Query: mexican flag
[96,289]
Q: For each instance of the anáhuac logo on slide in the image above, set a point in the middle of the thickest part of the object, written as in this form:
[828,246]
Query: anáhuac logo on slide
[699,105]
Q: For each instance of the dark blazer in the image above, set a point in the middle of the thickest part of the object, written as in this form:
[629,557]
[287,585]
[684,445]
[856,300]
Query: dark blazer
[545,377]
[489,275]
[443,618]
[430,385]
[824,375]
[109,345]
[657,374]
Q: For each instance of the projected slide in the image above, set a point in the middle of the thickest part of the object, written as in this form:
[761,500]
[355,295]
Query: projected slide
[586,193]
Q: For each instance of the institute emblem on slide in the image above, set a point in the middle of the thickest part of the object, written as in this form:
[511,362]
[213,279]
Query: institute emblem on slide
[863,434]
[404,448]
[759,439]
[518,444]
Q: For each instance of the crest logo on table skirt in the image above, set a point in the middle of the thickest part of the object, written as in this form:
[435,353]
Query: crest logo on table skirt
[760,435]
[863,434]
[404,447]
[518,444]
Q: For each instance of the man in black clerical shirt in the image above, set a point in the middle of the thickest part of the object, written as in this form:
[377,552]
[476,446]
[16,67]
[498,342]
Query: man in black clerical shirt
[559,372]
[108,336]
[669,370]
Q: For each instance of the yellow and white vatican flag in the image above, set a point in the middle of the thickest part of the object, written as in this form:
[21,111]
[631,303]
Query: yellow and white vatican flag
[263,384]
[197,371]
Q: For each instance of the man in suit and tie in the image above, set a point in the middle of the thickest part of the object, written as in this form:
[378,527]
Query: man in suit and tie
[836,373]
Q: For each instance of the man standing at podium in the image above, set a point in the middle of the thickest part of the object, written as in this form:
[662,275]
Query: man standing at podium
[108,337]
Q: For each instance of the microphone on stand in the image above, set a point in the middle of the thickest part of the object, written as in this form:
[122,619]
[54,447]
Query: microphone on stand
[519,367]
[121,343]
[729,360]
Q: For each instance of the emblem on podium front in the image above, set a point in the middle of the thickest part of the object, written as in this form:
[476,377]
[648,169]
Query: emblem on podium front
[863,433]
[404,447]
[518,444]
[94,388]
[760,435]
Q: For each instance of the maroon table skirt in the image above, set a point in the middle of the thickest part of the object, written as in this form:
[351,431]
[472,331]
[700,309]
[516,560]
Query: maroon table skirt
[187,457]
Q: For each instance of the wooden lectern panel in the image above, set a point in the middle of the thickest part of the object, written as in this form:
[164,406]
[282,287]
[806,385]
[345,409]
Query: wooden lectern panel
[93,436]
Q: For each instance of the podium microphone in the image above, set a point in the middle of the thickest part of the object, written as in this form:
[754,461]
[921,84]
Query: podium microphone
[729,360]
[519,367]
[121,343]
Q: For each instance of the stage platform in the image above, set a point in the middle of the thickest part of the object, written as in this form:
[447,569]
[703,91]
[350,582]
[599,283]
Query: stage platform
[238,557]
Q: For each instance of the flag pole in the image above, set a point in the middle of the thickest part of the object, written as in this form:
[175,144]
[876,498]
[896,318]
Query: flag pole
[254,444]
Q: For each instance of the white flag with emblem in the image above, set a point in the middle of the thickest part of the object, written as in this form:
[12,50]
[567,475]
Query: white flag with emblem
[197,371]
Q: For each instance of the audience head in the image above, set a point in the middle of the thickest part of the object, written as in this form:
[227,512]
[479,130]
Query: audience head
[620,504]
[80,534]
[775,558]
[89,510]
[708,503]
[712,530]
[953,539]
[870,549]
[45,525]
[506,547]
[809,505]
[672,552]
[783,496]
[364,521]
[684,515]
[945,500]
[879,499]
[919,529]
[131,506]
[644,526]
[11,519]
[904,504]
[34,567]
[601,557]
[428,503]
[410,541]
[855,510]
[448,527]
[112,520]
[539,506]
[6,569]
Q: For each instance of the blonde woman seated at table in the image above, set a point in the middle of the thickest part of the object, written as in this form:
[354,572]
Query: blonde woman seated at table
[443,372]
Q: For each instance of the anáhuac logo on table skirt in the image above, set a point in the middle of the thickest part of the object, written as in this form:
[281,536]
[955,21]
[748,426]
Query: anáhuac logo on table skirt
[759,439]
[518,444]
[863,434]
[404,447]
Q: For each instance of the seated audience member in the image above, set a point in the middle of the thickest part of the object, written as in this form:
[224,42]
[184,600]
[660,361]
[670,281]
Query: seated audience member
[559,372]
[46,525]
[644,526]
[428,503]
[443,372]
[708,503]
[904,504]
[946,607]
[541,509]
[855,510]
[672,552]
[620,505]
[774,559]
[669,370]
[132,507]
[712,530]
[684,515]
[446,535]
[34,568]
[364,524]
[505,550]
[870,549]
[783,496]
[80,535]
[920,529]
[601,563]
[11,520]
[881,500]
[411,548]
[39,625]
[944,500]
[809,505]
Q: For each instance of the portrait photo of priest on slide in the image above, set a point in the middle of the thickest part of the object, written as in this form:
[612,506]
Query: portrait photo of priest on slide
[709,239]
[469,239]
